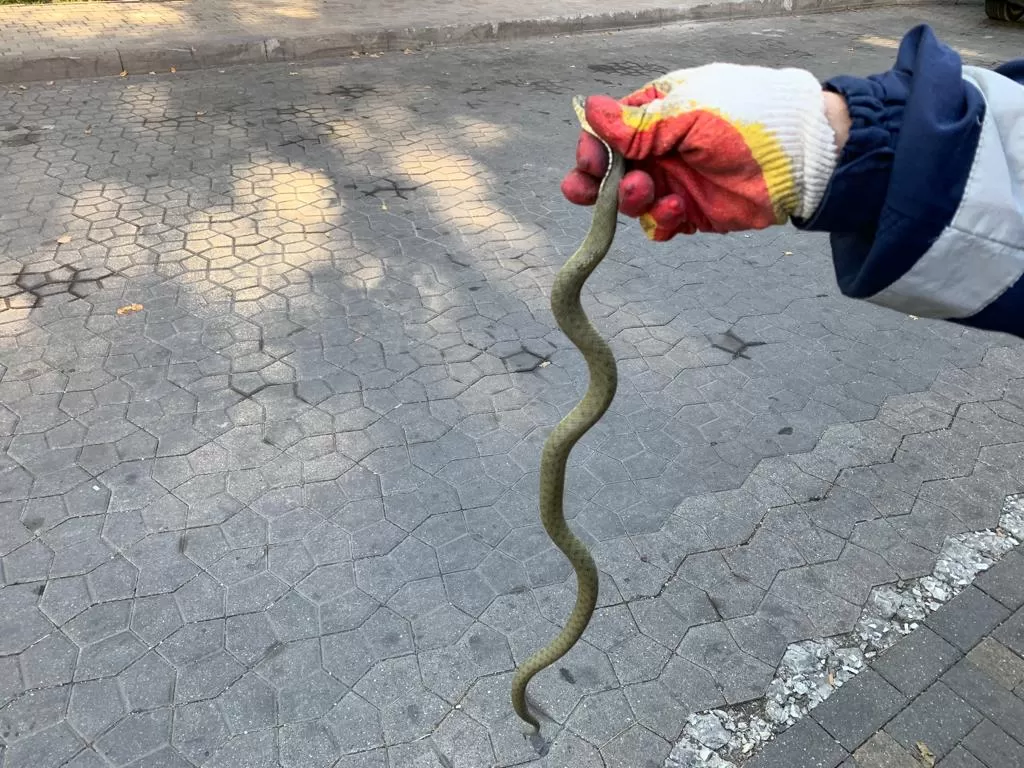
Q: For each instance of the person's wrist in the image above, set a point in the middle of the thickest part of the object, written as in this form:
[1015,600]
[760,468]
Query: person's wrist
[838,115]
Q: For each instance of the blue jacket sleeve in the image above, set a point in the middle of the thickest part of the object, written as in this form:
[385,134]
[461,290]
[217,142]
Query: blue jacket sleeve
[926,206]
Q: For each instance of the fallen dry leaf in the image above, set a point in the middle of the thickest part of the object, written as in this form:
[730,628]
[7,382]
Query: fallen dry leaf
[926,755]
[124,73]
[64,239]
[173,70]
[129,309]
[407,51]
[200,114]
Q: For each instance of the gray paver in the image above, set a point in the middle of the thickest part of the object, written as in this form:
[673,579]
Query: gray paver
[249,704]
[739,676]
[51,661]
[882,751]
[1011,633]
[86,759]
[286,513]
[998,662]
[993,747]
[917,661]
[148,683]
[306,744]
[48,748]
[961,758]
[867,703]
[636,746]
[989,698]
[806,743]
[1007,583]
[33,711]
[94,706]
[135,736]
[938,718]
[967,618]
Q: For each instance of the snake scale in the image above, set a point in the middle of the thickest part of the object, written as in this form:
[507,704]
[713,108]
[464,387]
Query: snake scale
[568,311]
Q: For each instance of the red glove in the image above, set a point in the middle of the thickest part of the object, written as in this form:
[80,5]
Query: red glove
[718,148]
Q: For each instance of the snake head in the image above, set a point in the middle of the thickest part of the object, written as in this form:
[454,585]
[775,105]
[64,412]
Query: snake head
[579,103]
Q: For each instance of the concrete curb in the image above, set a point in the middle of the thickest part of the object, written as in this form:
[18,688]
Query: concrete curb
[254,50]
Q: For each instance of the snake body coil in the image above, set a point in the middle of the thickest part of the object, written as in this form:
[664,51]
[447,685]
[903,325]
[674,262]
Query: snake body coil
[568,312]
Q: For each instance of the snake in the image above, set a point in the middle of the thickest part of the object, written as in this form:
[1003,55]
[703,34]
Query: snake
[567,308]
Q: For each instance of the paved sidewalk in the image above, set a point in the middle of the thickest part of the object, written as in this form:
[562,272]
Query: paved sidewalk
[276,365]
[46,42]
[951,694]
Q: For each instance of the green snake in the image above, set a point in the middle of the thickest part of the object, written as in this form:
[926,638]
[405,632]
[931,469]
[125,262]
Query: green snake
[569,314]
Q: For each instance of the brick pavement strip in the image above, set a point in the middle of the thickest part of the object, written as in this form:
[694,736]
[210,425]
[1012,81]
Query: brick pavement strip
[47,42]
[276,362]
[963,706]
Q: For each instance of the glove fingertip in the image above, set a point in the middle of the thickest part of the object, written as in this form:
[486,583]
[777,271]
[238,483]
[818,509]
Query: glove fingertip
[580,188]
[667,218]
[591,155]
[636,193]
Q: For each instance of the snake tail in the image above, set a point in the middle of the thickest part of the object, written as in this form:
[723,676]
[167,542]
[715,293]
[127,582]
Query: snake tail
[568,311]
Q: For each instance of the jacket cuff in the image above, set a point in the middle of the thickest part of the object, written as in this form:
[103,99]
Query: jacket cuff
[857,189]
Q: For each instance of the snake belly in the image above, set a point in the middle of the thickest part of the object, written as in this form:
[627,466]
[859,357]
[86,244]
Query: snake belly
[568,311]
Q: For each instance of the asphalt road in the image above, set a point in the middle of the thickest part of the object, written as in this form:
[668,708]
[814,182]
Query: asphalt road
[276,363]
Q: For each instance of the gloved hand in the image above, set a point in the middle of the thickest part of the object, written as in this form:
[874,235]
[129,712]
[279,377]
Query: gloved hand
[717,148]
